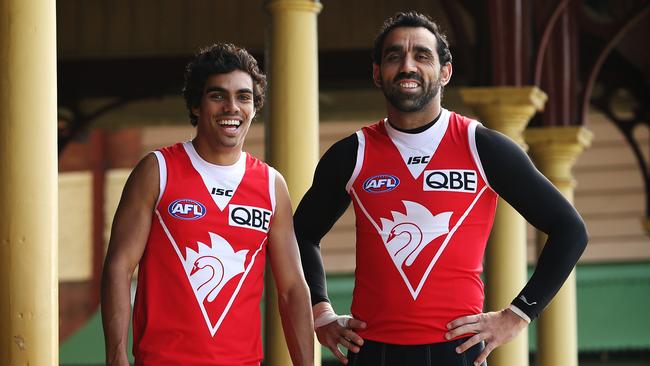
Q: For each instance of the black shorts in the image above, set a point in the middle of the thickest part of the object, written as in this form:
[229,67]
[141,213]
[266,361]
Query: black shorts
[436,354]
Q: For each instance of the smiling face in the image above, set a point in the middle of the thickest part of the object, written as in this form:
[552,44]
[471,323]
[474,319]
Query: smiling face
[410,74]
[225,112]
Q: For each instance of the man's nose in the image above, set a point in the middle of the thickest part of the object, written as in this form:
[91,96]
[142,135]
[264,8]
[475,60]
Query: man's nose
[408,64]
[231,106]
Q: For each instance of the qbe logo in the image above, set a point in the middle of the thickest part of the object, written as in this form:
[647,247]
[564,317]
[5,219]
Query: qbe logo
[450,180]
[249,217]
[186,209]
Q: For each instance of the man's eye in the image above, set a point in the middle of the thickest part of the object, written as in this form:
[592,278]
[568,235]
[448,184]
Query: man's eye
[391,57]
[423,57]
[245,97]
[216,96]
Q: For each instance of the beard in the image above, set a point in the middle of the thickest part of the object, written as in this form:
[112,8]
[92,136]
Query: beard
[410,102]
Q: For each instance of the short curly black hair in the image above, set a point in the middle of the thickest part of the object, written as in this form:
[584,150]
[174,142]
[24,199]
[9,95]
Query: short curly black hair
[411,19]
[220,58]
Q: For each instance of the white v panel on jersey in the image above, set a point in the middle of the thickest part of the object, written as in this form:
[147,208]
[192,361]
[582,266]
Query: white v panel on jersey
[417,149]
[221,181]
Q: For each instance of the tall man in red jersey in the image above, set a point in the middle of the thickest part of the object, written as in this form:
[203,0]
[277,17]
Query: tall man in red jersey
[424,183]
[198,218]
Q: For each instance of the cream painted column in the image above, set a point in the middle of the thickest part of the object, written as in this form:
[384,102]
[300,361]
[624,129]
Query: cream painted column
[28,184]
[507,110]
[555,150]
[292,125]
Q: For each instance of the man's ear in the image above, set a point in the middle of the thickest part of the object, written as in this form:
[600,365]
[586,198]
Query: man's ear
[376,75]
[445,73]
[195,111]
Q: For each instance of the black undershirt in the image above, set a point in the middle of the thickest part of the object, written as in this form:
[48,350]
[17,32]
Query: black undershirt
[510,174]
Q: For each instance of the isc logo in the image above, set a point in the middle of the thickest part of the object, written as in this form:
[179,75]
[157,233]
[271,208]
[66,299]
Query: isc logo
[222,192]
[249,217]
[450,180]
[418,160]
[381,183]
[186,209]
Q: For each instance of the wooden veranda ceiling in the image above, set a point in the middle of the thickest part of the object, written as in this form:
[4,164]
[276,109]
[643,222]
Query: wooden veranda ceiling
[567,47]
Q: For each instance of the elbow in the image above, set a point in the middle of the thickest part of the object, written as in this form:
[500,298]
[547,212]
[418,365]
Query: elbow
[115,271]
[582,235]
[296,293]
[575,232]
[570,233]
[110,270]
[284,302]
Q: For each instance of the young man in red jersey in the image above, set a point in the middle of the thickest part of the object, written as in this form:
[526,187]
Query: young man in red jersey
[424,184]
[198,218]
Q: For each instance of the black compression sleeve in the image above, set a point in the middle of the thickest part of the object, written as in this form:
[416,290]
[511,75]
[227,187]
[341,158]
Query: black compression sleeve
[322,205]
[512,175]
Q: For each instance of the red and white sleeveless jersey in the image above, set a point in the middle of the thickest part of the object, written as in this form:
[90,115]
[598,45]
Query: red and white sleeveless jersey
[423,211]
[201,276]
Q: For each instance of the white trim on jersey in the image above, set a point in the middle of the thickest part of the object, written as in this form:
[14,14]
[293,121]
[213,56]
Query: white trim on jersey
[361,150]
[272,176]
[226,177]
[422,145]
[162,174]
[471,137]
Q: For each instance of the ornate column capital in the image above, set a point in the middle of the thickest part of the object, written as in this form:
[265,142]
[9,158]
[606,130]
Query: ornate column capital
[506,109]
[559,135]
[555,150]
[273,6]
[505,95]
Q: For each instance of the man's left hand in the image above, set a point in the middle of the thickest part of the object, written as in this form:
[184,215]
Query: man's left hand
[495,328]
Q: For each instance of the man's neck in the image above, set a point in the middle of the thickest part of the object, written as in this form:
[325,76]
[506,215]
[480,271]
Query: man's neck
[217,155]
[417,129]
[412,120]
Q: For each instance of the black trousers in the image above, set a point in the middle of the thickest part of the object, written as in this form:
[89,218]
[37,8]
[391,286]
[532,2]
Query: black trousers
[436,354]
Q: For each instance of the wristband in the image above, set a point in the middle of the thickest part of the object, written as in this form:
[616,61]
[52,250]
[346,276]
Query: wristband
[519,313]
[324,314]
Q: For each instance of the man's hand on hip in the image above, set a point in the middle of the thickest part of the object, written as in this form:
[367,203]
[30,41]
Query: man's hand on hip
[495,328]
[332,330]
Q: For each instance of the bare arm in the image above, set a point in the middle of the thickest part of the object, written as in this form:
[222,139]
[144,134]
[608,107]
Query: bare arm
[129,236]
[293,294]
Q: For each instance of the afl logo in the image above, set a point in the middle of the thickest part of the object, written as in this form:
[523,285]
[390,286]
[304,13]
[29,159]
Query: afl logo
[381,183]
[186,209]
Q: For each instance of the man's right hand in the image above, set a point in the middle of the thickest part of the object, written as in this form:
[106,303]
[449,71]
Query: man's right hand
[332,330]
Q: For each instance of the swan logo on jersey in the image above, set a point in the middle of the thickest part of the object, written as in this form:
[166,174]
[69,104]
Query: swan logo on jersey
[381,183]
[210,269]
[410,247]
[186,209]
